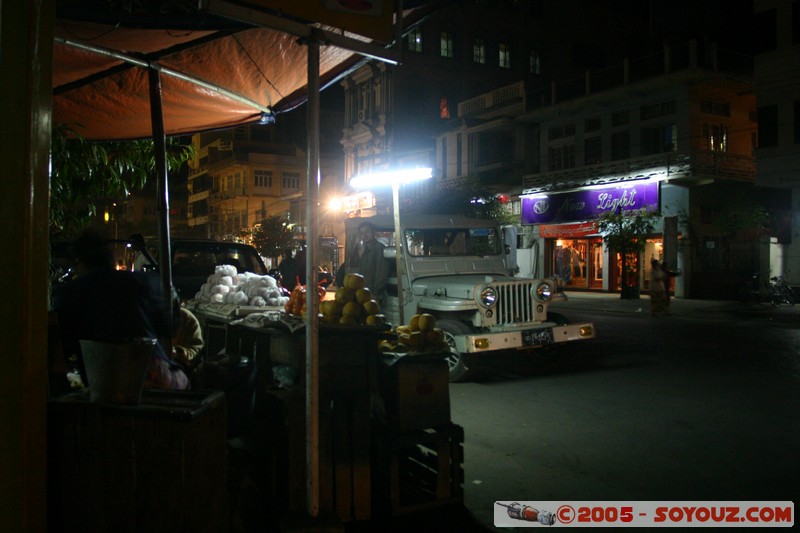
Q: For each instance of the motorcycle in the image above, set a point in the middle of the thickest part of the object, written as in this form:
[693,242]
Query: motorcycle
[780,292]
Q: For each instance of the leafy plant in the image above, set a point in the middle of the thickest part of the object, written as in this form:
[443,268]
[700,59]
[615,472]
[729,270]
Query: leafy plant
[272,236]
[626,232]
[86,174]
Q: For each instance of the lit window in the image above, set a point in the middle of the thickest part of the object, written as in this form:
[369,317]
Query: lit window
[504,57]
[415,40]
[446,46]
[479,51]
[715,137]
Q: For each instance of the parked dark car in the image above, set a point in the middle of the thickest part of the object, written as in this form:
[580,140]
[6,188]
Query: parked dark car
[194,260]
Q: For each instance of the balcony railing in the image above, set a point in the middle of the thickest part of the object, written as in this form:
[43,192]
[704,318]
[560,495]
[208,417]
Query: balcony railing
[499,98]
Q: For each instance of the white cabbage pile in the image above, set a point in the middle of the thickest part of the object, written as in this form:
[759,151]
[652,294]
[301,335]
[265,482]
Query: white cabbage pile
[227,285]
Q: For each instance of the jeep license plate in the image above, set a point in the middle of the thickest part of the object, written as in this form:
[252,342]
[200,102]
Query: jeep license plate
[537,337]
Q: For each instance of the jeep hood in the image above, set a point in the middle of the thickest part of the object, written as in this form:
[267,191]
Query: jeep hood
[456,286]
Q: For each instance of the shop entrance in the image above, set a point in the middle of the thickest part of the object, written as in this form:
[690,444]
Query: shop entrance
[578,262]
[636,266]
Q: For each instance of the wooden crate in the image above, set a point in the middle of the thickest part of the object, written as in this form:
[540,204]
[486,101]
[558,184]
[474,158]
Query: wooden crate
[157,466]
[344,456]
[417,470]
[344,452]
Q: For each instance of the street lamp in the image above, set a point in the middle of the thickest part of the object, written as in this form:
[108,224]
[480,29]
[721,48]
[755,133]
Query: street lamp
[394,178]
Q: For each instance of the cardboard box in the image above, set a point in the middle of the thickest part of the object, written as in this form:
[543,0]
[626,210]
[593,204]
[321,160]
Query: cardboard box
[415,392]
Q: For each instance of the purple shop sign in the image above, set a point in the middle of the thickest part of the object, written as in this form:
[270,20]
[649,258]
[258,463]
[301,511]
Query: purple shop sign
[589,204]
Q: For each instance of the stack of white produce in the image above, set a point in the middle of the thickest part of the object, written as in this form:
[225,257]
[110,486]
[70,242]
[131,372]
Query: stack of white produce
[226,285]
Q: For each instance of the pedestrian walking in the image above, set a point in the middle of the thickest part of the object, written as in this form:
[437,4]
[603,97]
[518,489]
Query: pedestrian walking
[659,302]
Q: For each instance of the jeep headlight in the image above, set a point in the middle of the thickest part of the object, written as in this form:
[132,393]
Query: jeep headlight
[487,297]
[543,291]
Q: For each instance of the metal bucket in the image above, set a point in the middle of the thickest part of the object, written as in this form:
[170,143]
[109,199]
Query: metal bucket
[116,371]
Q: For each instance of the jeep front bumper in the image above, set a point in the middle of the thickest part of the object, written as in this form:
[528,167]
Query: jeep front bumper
[524,339]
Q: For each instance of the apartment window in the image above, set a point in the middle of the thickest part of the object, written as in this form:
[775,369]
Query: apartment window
[620,118]
[765,29]
[721,109]
[592,151]
[446,44]
[560,132]
[504,55]
[620,145]
[534,62]
[797,121]
[561,157]
[290,181]
[592,124]
[415,39]
[659,139]
[479,51]
[263,178]
[657,110]
[768,126]
[715,137]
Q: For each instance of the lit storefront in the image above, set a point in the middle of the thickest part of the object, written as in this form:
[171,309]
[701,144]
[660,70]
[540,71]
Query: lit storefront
[564,222]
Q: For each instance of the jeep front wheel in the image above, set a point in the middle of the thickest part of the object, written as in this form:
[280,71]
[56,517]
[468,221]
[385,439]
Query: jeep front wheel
[459,371]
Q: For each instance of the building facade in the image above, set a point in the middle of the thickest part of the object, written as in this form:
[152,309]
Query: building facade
[673,133]
[777,53]
[241,176]
[394,114]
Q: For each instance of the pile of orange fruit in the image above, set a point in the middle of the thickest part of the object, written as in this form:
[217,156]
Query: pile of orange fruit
[296,306]
[420,335]
[353,304]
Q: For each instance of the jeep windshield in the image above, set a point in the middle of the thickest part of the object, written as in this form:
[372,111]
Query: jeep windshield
[453,242]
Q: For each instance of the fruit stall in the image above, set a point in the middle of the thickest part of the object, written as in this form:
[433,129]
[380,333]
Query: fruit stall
[386,440]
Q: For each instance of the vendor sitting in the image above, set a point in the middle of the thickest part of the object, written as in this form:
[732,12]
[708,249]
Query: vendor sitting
[109,305]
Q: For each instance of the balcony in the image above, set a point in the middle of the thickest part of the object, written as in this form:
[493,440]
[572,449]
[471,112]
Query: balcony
[508,100]
[695,164]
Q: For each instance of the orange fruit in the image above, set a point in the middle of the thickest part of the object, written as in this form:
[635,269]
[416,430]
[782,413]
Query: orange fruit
[352,309]
[344,295]
[354,281]
[363,295]
[371,307]
[426,322]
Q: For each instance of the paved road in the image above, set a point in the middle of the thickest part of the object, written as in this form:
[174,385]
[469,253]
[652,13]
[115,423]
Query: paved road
[702,405]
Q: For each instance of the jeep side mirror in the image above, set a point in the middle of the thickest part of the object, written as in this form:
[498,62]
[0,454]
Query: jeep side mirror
[390,253]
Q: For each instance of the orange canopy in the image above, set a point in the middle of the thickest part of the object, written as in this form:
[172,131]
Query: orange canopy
[101,88]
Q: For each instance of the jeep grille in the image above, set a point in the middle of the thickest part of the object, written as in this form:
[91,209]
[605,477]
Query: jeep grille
[514,303]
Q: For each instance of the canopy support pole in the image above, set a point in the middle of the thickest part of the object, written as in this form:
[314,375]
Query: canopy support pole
[312,301]
[162,188]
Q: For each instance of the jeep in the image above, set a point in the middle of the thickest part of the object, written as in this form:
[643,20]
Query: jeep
[456,268]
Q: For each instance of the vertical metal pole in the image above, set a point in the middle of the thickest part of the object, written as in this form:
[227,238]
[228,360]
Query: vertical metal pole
[398,246]
[162,188]
[312,304]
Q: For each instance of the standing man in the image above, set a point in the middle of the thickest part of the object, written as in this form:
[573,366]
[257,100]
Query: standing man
[371,263]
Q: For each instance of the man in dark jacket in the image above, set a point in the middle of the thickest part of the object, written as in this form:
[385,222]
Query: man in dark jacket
[109,305]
